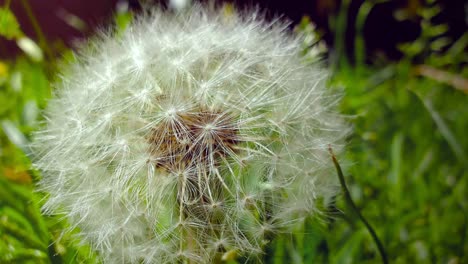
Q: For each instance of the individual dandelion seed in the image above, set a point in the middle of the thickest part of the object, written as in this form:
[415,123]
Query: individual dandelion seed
[189,138]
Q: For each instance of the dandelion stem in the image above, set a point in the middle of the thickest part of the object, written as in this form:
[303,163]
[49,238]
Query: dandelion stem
[351,203]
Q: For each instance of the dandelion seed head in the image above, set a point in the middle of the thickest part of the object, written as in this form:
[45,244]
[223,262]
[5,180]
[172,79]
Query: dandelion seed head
[190,137]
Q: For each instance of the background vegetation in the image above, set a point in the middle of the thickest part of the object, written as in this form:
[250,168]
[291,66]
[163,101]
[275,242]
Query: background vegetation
[406,164]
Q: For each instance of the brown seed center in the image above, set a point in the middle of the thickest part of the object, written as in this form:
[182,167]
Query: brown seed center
[194,138]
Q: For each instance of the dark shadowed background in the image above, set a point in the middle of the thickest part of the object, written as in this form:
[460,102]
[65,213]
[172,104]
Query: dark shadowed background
[387,24]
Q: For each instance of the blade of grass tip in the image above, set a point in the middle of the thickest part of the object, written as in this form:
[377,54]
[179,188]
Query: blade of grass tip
[27,256]
[396,161]
[339,58]
[359,44]
[37,28]
[279,251]
[39,225]
[445,131]
[22,235]
[20,198]
[454,80]
[294,254]
[353,206]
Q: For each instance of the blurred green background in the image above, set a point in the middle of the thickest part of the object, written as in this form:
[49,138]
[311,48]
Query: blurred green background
[406,163]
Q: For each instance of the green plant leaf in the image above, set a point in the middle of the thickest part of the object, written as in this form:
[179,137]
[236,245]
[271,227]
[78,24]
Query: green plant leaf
[9,26]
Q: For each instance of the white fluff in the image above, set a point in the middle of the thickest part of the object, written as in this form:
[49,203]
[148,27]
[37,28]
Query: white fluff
[189,136]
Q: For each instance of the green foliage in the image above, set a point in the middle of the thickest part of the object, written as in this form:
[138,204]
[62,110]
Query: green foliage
[408,154]
[409,171]
[407,158]
[25,235]
[9,27]
[406,163]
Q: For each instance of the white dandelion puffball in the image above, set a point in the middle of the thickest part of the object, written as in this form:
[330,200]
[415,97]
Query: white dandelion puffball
[189,138]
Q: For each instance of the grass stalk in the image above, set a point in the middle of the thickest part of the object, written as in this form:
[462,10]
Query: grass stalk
[37,29]
[353,206]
